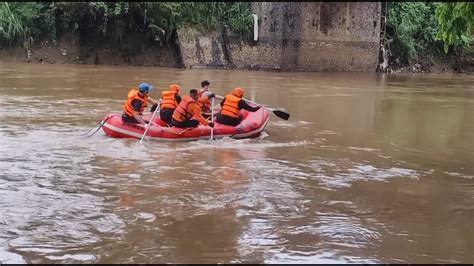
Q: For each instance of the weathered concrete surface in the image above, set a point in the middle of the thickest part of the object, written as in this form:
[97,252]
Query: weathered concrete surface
[330,36]
[201,50]
[295,36]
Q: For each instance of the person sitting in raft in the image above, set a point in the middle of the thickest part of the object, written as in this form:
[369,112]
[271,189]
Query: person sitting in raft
[186,110]
[136,103]
[231,104]
[169,101]
[203,101]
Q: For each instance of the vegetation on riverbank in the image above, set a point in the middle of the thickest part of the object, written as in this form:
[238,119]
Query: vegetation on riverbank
[420,33]
[27,22]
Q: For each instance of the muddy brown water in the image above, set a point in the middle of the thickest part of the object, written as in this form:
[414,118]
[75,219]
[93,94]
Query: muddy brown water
[369,168]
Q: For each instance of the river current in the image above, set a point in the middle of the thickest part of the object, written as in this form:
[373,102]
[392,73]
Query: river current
[369,168]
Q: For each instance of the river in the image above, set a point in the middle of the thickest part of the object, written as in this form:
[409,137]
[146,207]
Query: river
[369,168]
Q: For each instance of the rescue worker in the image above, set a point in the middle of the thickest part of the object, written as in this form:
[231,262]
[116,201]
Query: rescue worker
[136,103]
[230,106]
[169,101]
[204,102]
[186,110]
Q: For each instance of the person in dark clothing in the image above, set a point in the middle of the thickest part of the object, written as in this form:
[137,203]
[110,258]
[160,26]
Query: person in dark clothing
[204,99]
[231,105]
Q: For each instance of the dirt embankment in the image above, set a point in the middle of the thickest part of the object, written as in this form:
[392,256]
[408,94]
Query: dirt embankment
[459,62]
[67,50]
[463,64]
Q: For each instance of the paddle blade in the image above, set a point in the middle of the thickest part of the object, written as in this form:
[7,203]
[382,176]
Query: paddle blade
[282,114]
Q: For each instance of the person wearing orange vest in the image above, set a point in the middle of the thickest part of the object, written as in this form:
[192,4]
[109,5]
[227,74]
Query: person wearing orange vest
[203,95]
[231,106]
[188,109]
[169,101]
[136,103]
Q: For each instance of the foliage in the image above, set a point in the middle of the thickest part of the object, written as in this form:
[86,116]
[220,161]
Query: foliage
[36,17]
[414,29]
[11,27]
[215,15]
[240,18]
[156,21]
[455,20]
[26,20]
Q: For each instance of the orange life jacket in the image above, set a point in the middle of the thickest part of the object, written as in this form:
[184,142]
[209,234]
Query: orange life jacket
[203,101]
[231,106]
[182,112]
[133,94]
[168,100]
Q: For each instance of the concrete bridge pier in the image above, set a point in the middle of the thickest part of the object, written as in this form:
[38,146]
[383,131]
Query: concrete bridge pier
[295,36]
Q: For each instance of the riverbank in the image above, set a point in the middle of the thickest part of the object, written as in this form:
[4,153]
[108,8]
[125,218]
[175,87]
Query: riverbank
[280,36]
[463,64]
[134,52]
[67,50]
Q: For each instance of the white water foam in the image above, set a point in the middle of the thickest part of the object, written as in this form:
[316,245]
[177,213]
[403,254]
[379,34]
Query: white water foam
[459,175]
[342,173]
[364,149]
[325,257]
[75,257]
[10,258]
[228,143]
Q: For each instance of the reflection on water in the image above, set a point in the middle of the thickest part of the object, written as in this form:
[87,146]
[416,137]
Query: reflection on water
[369,169]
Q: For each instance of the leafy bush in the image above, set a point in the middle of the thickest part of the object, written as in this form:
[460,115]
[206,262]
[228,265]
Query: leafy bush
[12,29]
[240,18]
[215,15]
[455,20]
[413,27]
[26,20]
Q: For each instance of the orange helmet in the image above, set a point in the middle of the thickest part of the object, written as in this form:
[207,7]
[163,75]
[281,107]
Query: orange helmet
[175,87]
[239,92]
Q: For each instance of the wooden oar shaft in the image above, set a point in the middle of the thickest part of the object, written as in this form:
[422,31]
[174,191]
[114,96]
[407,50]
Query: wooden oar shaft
[212,118]
[151,120]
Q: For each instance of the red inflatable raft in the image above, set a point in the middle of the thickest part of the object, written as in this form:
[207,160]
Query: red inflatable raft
[251,126]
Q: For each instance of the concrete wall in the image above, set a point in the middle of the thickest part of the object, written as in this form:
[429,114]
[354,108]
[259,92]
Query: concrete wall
[202,50]
[295,36]
[211,50]
[332,36]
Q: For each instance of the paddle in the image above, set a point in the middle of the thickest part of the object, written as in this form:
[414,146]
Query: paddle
[278,112]
[149,123]
[212,117]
